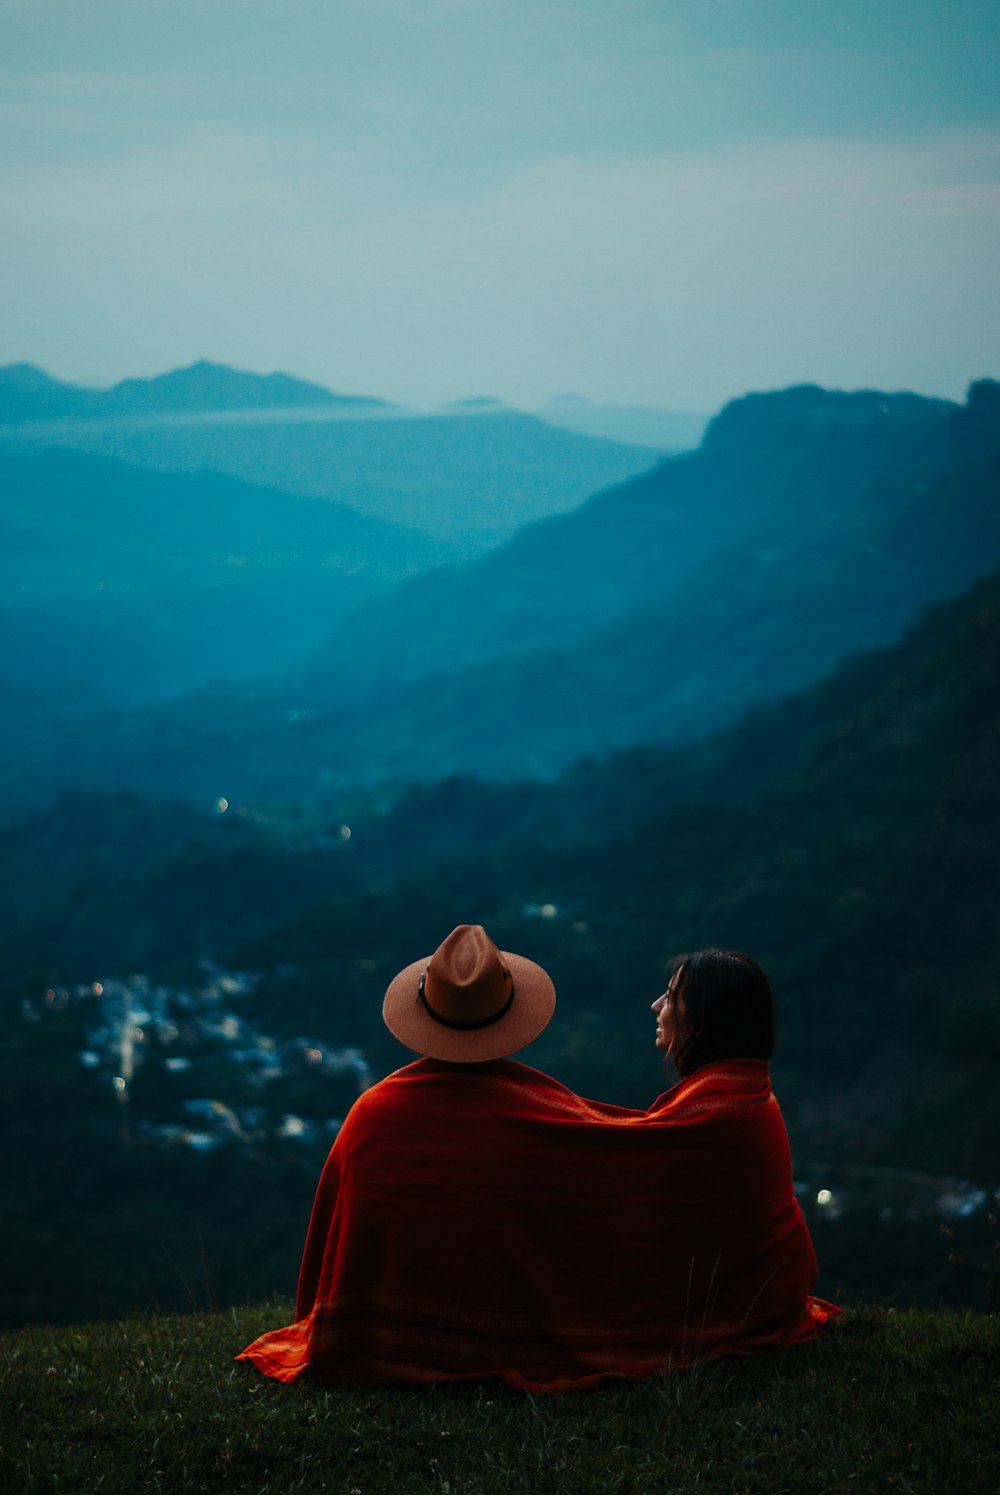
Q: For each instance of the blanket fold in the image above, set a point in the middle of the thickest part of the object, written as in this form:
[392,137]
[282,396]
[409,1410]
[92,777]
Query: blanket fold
[483,1221]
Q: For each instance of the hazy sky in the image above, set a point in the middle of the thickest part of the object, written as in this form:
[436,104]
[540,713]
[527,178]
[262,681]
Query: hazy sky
[645,201]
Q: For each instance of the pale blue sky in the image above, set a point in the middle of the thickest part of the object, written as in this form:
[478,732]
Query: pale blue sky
[662,203]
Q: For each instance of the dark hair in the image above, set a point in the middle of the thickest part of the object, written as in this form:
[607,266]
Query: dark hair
[728,1009]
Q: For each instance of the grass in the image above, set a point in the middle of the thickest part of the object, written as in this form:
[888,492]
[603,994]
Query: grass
[885,1401]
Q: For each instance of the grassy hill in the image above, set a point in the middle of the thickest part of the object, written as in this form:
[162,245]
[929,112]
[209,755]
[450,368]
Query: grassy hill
[884,1401]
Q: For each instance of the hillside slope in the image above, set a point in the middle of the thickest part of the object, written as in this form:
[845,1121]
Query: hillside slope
[809,526]
[470,479]
[847,836]
[139,586]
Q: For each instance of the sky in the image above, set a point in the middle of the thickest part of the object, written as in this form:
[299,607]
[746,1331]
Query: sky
[655,202]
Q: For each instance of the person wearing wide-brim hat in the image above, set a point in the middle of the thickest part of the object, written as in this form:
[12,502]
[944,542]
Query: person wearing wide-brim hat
[400,1228]
[469,1002]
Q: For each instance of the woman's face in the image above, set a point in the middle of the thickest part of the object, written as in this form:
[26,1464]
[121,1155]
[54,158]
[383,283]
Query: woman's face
[670,1016]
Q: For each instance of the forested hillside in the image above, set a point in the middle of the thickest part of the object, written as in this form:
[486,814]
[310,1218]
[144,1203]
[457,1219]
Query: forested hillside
[846,830]
[857,861]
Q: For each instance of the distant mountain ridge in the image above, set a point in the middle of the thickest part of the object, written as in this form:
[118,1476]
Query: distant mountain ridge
[29,394]
[775,471]
[478,405]
[470,476]
[808,526]
[664,607]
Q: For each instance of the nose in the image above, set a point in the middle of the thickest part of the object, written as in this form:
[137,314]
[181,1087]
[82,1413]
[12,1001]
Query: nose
[656,1006]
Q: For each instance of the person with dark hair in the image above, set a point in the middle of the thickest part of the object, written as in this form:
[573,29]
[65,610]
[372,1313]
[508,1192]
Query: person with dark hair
[715,1022]
[718,1006]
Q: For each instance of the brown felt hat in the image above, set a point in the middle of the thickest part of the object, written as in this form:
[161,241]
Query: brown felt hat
[469,1001]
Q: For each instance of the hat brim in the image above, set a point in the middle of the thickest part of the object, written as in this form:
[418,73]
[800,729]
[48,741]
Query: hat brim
[408,1019]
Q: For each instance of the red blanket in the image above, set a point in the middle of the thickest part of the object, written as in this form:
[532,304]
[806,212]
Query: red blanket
[482,1220]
